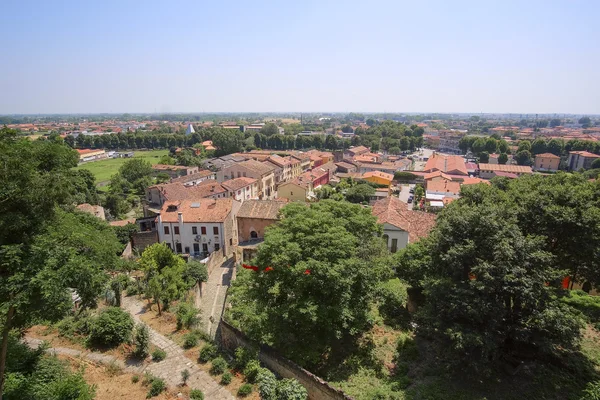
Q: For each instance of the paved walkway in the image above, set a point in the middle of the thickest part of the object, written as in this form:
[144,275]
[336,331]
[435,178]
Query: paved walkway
[213,296]
[170,368]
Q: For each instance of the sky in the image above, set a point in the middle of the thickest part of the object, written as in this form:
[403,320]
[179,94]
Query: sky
[525,56]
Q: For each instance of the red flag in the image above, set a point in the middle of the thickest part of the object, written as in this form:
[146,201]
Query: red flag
[269,269]
[307,272]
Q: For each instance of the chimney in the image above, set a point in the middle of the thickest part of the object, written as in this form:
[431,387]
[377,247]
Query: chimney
[180,217]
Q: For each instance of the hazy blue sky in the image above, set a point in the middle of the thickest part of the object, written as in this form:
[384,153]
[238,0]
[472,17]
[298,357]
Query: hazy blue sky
[168,56]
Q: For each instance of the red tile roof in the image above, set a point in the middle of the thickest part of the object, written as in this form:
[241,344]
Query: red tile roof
[448,164]
[238,183]
[547,155]
[202,210]
[394,212]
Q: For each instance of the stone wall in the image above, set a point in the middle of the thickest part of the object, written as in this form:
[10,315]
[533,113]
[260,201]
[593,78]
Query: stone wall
[141,240]
[318,389]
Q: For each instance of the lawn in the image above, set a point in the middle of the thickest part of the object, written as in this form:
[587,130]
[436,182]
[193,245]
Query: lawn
[104,169]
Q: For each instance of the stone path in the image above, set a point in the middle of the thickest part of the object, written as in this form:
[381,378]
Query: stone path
[213,297]
[170,368]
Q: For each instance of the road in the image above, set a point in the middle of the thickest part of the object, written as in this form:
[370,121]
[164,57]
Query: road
[404,193]
[419,155]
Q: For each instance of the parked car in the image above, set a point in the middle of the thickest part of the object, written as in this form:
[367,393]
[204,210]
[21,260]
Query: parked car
[410,199]
[412,190]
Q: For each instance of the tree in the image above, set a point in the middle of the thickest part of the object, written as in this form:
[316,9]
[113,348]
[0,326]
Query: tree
[317,273]
[134,169]
[227,141]
[503,146]
[164,274]
[486,286]
[523,157]
[40,245]
[554,122]
[538,146]
[484,157]
[479,145]
[524,145]
[585,122]
[491,145]
[347,129]
[112,327]
[556,146]
[270,129]
[502,158]
[360,193]
[596,164]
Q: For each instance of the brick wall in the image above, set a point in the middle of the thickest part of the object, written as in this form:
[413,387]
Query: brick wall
[141,240]
[318,389]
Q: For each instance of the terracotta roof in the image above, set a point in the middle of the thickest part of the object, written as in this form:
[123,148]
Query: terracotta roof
[278,160]
[513,169]
[449,164]
[191,177]
[238,183]
[585,154]
[378,174]
[435,174]
[257,166]
[474,181]
[122,222]
[177,191]
[547,155]
[345,165]
[358,150]
[260,209]
[201,210]
[394,212]
[443,186]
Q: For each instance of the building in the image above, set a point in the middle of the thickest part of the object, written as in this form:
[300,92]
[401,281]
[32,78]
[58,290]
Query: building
[253,218]
[454,165]
[91,155]
[189,130]
[546,162]
[196,178]
[345,167]
[157,195]
[381,178]
[401,226]
[262,172]
[488,171]
[285,165]
[355,151]
[175,171]
[97,211]
[302,188]
[304,160]
[581,159]
[198,227]
[449,141]
[242,189]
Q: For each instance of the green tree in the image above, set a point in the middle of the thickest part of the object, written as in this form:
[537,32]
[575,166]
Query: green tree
[538,146]
[485,286]
[554,122]
[524,145]
[134,169]
[479,145]
[347,129]
[484,157]
[585,122]
[502,158]
[596,164]
[360,193]
[164,274]
[491,145]
[523,157]
[227,141]
[270,129]
[318,272]
[503,146]
[556,146]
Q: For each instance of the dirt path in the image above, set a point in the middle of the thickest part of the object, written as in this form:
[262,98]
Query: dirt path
[170,368]
[213,299]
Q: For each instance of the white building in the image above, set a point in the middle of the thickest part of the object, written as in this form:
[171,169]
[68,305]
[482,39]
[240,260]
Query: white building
[241,189]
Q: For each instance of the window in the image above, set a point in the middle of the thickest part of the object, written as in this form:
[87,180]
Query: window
[217,247]
[203,230]
[196,248]
[253,235]
[239,174]
[205,247]
[230,241]
[176,230]
[239,192]
[216,230]
[194,230]
[169,246]
[187,250]
[394,245]
[178,247]
[166,230]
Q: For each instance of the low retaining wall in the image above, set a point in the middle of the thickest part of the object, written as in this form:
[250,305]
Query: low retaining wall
[318,389]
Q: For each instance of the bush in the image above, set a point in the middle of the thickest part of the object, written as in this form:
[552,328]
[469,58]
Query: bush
[208,352]
[187,316]
[141,340]
[407,349]
[402,383]
[196,394]
[245,390]
[267,384]
[190,340]
[583,302]
[291,389]
[135,379]
[226,378]
[393,299]
[112,327]
[185,375]
[591,391]
[148,378]
[79,324]
[243,356]
[72,386]
[156,387]
[219,365]
[159,355]
[251,371]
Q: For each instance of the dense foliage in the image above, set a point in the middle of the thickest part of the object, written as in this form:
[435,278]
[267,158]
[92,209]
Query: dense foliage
[112,327]
[318,269]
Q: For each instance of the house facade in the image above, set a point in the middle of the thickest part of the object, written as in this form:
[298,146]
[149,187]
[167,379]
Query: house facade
[547,162]
[581,159]
[242,189]
[262,172]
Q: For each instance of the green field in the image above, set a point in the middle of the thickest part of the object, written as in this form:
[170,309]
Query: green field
[104,169]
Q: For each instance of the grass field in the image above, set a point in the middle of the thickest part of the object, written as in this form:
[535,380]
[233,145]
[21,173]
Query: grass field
[104,169]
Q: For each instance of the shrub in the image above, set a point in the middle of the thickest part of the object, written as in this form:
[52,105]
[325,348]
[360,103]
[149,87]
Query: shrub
[393,299]
[251,371]
[71,386]
[588,305]
[158,355]
[245,390]
[185,375]
[141,340]
[156,387]
[113,369]
[148,378]
[291,389]
[226,378]
[219,365]
[402,383]
[208,352]
[112,327]
[187,316]
[79,324]
[190,340]
[135,379]
[267,384]
[242,356]
[196,394]
[591,391]
[407,349]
